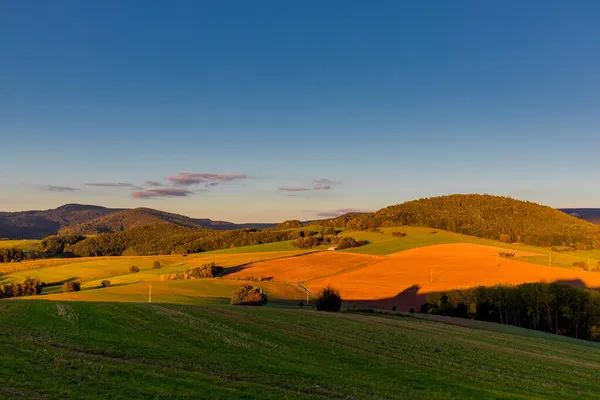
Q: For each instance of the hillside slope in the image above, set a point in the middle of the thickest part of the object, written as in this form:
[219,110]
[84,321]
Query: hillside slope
[38,224]
[485,216]
[90,220]
[137,351]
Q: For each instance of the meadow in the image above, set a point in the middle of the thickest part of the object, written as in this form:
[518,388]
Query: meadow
[134,350]
[25,245]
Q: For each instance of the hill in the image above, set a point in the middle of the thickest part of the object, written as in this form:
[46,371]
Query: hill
[485,216]
[39,224]
[89,219]
[104,350]
[588,214]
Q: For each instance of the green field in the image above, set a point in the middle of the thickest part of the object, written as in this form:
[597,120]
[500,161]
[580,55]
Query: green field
[57,350]
[25,245]
[384,244]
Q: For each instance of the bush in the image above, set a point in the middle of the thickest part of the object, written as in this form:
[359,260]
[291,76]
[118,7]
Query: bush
[71,287]
[504,238]
[329,300]
[133,269]
[156,265]
[580,264]
[399,234]
[248,295]
[506,254]
[105,283]
[393,308]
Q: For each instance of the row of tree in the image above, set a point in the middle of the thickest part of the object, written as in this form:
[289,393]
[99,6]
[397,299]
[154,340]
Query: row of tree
[162,239]
[29,287]
[11,255]
[554,307]
[341,243]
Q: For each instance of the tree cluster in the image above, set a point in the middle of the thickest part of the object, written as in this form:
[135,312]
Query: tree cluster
[210,270]
[11,255]
[289,224]
[248,295]
[553,308]
[60,244]
[320,240]
[29,287]
[486,216]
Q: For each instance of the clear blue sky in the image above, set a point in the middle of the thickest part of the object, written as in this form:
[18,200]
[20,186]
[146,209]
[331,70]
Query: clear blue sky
[351,105]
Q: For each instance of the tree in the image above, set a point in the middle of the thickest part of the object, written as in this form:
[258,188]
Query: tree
[329,299]
[105,283]
[248,295]
[71,287]
[133,269]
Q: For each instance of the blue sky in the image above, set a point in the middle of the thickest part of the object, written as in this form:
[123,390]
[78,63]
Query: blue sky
[224,104]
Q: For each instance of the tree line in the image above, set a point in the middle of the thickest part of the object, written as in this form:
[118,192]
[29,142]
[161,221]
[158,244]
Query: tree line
[161,239]
[553,307]
[29,287]
[485,216]
[11,255]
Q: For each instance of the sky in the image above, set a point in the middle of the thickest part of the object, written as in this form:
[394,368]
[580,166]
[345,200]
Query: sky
[270,110]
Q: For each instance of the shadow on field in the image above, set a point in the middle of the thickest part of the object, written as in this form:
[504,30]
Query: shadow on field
[60,283]
[412,297]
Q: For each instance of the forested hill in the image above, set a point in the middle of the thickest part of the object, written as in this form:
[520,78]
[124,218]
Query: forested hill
[161,238]
[485,216]
[88,219]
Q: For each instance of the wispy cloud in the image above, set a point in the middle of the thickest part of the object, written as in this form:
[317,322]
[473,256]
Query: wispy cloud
[289,189]
[340,211]
[161,192]
[114,185]
[194,178]
[53,188]
[152,183]
[323,184]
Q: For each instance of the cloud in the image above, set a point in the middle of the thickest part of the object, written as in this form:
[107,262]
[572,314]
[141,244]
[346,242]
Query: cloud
[323,184]
[340,211]
[161,192]
[53,188]
[287,189]
[114,184]
[152,183]
[194,178]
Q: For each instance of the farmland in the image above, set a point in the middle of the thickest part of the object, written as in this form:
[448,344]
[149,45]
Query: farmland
[132,350]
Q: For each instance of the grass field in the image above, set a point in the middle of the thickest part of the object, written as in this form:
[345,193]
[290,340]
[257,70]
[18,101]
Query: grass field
[57,350]
[385,244]
[25,245]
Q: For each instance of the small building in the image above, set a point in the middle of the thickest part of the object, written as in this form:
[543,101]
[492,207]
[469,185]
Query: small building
[332,249]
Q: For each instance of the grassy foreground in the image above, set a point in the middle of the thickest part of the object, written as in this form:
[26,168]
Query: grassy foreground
[62,350]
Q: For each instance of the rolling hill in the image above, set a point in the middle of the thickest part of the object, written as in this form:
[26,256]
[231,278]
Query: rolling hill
[90,219]
[485,216]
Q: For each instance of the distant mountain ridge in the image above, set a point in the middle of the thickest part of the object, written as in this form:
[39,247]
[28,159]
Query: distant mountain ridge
[90,219]
[588,214]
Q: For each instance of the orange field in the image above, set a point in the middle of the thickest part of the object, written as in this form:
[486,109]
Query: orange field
[305,267]
[404,278]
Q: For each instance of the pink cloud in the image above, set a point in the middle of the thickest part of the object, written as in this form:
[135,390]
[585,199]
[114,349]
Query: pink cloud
[161,192]
[194,178]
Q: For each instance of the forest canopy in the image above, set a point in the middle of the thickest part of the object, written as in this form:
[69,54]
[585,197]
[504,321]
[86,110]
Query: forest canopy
[485,216]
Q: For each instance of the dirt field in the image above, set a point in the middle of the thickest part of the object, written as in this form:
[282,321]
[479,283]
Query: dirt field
[403,279]
[305,267]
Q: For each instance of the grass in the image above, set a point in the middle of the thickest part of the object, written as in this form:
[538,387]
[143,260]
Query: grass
[25,245]
[385,243]
[59,350]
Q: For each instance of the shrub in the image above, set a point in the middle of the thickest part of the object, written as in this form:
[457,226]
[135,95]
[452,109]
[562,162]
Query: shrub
[71,287]
[156,265]
[105,283]
[412,310]
[506,254]
[393,308]
[329,300]
[580,264]
[248,295]
[398,234]
[133,269]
